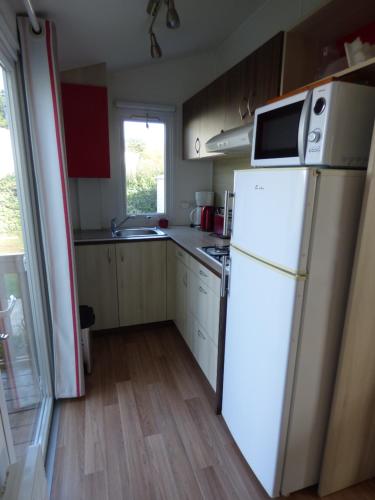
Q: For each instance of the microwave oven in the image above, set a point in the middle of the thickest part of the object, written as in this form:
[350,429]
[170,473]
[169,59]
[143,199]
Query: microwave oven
[330,125]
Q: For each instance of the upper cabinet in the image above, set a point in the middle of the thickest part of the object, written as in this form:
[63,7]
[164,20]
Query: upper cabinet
[85,110]
[231,99]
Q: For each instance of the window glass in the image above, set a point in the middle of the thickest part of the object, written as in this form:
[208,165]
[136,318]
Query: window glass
[144,167]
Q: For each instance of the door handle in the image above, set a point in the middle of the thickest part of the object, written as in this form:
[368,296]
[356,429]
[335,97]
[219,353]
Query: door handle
[223,281]
[227,196]
[12,303]
[303,126]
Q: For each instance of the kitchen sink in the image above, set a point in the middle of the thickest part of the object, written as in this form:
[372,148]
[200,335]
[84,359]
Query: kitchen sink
[139,232]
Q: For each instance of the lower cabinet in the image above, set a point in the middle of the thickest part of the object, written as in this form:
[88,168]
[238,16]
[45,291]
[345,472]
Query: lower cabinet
[141,278]
[97,282]
[125,283]
[197,310]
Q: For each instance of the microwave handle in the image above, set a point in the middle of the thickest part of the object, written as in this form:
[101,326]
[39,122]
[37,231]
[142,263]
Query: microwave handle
[303,126]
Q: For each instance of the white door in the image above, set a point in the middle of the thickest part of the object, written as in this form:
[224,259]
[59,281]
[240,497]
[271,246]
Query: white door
[264,307]
[272,214]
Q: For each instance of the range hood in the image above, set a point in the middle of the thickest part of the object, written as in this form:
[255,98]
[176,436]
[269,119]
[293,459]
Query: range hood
[235,140]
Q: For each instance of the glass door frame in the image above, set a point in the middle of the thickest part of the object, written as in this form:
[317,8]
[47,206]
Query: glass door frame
[33,247]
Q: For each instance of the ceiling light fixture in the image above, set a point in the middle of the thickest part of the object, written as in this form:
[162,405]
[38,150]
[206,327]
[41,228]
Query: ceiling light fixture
[173,22]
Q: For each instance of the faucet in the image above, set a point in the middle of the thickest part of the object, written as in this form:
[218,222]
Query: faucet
[115,227]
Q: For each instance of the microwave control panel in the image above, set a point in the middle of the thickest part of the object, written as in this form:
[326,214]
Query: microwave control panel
[341,123]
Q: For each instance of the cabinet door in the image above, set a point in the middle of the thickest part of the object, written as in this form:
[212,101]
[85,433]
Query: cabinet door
[97,286]
[205,352]
[234,95]
[171,280]
[193,112]
[85,111]
[181,296]
[141,275]
[205,306]
[212,122]
[268,61]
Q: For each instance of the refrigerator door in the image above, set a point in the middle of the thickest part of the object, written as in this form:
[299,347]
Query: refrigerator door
[264,309]
[272,215]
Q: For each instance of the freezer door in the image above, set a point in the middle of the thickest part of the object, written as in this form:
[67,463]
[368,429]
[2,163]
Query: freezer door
[264,309]
[272,215]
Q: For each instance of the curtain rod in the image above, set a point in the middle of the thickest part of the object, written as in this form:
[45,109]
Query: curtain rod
[32,17]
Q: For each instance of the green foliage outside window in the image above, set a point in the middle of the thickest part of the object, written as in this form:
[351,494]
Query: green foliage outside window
[141,186]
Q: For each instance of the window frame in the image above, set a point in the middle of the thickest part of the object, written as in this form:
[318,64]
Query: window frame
[139,113]
[31,231]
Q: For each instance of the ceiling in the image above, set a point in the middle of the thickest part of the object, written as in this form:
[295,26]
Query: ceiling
[115,31]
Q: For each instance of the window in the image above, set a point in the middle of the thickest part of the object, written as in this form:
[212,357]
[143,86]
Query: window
[146,137]
[144,167]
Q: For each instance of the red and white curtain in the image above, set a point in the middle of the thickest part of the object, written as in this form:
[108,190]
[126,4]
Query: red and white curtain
[42,86]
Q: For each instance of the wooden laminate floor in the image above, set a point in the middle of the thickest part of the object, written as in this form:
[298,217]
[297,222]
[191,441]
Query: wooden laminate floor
[146,430]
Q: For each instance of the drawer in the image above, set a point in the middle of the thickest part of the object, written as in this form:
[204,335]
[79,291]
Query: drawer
[182,255]
[204,305]
[205,352]
[205,275]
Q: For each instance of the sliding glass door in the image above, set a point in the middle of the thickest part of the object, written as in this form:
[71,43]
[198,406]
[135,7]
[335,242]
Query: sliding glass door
[25,368]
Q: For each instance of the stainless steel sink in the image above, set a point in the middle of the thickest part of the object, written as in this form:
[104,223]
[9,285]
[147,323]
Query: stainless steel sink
[139,232]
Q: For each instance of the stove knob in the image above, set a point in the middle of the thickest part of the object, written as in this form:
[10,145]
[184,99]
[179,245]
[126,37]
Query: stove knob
[314,136]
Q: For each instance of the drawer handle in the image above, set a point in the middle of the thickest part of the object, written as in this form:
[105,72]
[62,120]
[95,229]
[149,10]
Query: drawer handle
[202,273]
[202,290]
[200,334]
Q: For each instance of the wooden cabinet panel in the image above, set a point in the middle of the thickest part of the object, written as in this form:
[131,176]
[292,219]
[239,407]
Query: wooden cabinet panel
[181,296]
[234,95]
[205,352]
[193,111]
[97,283]
[85,111]
[268,61]
[141,274]
[171,280]
[231,99]
[204,305]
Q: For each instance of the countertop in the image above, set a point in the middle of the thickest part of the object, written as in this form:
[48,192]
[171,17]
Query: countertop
[186,237]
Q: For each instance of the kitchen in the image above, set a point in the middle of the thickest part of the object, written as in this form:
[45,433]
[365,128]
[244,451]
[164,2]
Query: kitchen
[193,221]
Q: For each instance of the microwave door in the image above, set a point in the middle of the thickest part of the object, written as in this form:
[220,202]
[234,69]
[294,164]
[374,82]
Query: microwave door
[277,128]
[304,127]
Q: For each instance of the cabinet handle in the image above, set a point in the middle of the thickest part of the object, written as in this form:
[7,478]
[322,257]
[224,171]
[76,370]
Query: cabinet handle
[250,108]
[202,290]
[122,257]
[109,256]
[200,334]
[197,145]
[202,273]
[246,112]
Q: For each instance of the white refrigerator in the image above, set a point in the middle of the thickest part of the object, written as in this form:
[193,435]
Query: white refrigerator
[292,246]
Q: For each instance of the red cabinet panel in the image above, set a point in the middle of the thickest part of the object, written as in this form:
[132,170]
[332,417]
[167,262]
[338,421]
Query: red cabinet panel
[85,110]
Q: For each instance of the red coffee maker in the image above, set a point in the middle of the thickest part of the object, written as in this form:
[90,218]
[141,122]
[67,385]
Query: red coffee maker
[207,218]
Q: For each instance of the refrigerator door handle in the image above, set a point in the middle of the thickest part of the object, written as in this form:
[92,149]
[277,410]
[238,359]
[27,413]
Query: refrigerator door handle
[303,127]
[223,282]
[227,196]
